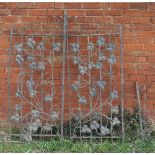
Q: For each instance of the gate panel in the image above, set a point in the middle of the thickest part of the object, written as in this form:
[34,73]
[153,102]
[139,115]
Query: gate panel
[62,79]
[94,78]
[35,100]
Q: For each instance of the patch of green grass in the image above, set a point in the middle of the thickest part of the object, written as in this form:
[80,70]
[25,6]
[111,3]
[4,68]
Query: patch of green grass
[77,146]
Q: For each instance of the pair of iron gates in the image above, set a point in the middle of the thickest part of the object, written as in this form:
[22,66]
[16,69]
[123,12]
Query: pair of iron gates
[65,79]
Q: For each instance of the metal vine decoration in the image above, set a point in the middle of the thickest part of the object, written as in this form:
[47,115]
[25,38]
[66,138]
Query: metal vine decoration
[69,83]
[32,59]
[90,118]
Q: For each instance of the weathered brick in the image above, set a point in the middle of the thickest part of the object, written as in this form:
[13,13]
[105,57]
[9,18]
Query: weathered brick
[132,13]
[134,47]
[93,12]
[102,19]
[105,5]
[12,5]
[91,5]
[19,12]
[151,6]
[148,13]
[76,12]
[141,59]
[140,20]
[72,5]
[149,47]
[150,60]
[141,6]
[122,20]
[58,5]
[152,20]
[113,12]
[3,5]
[25,5]
[4,12]
[120,6]
[28,19]
[10,19]
[38,12]
[44,5]
[140,78]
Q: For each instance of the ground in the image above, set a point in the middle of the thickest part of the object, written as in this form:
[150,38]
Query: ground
[70,146]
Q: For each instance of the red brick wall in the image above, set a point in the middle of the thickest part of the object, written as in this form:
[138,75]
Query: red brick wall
[138,20]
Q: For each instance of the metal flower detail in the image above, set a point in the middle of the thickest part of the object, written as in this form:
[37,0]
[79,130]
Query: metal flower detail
[35,113]
[76,85]
[40,66]
[101,41]
[101,84]
[85,129]
[76,60]
[104,131]
[19,59]
[31,43]
[30,84]
[90,46]
[54,115]
[30,58]
[18,107]
[115,110]
[82,100]
[56,47]
[19,48]
[34,127]
[111,47]
[114,94]
[101,57]
[116,122]
[112,59]
[33,66]
[15,118]
[47,127]
[91,65]
[48,98]
[77,116]
[18,93]
[94,125]
[97,116]
[41,46]
[75,47]
[93,92]
[82,70]
[98,65]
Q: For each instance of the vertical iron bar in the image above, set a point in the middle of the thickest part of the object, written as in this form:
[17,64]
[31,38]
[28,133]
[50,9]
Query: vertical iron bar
[9,82]
[42,90]
[21,89]
[63,69]
[122,81]
[89,81]
[100,94]
[110,88]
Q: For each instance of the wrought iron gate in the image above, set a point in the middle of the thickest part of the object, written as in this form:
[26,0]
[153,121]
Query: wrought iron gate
[66,80]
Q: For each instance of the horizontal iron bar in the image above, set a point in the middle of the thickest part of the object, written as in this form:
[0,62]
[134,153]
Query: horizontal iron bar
[51,35]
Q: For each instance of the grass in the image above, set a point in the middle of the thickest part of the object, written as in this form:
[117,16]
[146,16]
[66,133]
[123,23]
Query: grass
[72,146]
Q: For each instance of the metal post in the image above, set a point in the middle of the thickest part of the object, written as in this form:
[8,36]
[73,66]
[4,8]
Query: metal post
[63,68]
[122,81]
[9,82]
